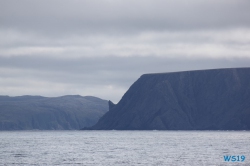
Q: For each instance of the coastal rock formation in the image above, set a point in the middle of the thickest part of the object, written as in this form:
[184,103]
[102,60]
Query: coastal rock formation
[50,113]
[217,99]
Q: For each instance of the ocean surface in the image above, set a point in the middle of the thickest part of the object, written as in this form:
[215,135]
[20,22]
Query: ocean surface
[110,148]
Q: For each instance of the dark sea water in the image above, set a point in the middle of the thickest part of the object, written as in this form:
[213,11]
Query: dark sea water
[123,147]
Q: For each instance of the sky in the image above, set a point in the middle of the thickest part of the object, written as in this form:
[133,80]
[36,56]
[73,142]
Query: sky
[101,47]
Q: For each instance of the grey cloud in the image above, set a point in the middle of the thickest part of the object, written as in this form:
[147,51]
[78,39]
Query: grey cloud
[214,44]
[74,17]
[100,48]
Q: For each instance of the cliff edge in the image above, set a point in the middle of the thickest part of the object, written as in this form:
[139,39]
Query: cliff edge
[217,99]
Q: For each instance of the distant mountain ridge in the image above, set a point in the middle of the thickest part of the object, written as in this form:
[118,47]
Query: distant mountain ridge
[215,99]
[71,112]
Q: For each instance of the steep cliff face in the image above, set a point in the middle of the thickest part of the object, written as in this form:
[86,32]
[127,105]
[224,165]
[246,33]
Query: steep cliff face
[57,113]
[216,99]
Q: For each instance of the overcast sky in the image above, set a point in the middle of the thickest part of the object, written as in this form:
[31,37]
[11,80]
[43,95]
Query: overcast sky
[101,47]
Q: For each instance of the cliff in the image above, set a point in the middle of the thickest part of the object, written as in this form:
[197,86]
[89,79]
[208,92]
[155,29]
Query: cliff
[50,113]
[217,99]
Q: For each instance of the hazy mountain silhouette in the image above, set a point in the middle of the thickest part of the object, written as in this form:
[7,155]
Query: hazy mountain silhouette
[217,99]
[46,113]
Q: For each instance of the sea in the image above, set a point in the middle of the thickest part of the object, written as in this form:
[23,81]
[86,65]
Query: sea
[125,148]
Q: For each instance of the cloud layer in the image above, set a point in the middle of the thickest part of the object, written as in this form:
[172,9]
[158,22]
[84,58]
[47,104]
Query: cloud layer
[100,48]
